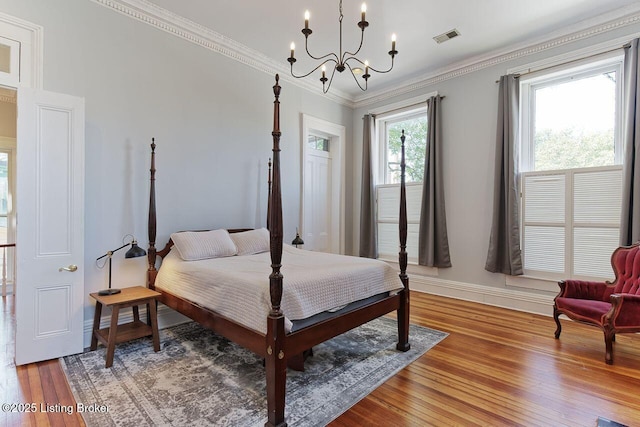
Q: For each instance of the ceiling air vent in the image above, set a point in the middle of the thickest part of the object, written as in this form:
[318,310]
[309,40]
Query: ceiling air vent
[447,36]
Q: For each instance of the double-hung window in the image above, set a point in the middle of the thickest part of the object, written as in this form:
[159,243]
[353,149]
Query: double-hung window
[389,129]
[571,185]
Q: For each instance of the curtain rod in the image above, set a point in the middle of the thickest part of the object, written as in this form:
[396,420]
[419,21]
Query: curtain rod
[624,46]
[404,107]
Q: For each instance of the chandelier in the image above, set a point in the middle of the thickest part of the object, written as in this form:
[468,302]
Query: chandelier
[345,59]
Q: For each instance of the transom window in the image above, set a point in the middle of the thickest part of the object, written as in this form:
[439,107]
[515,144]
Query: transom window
[318,143]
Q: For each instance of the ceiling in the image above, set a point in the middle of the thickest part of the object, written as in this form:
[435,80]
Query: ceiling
[486,26]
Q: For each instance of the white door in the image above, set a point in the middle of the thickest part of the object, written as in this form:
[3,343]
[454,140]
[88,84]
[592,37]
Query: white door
[50,226]
[317,209]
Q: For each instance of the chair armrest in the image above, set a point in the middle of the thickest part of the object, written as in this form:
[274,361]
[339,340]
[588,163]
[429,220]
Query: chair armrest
[625,310]
[584,289]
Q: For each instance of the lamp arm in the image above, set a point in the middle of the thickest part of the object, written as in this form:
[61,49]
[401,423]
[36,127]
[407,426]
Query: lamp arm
[113,251]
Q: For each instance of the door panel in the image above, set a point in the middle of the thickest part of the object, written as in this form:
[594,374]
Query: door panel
[50,232]
[318,202]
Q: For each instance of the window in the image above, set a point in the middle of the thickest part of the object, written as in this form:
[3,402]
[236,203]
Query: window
[9,62]
[318,143]
[414,123]
[572,174]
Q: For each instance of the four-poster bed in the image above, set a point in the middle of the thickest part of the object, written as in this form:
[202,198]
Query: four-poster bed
[278,343]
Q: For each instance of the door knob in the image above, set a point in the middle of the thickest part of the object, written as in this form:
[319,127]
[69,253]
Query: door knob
[70,268]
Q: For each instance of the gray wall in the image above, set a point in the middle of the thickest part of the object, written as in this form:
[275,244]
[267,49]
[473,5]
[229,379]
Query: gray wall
[211,116]
[469,119]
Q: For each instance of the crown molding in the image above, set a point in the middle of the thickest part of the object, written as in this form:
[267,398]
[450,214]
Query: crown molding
[614,20]
[167,21]
[151,14]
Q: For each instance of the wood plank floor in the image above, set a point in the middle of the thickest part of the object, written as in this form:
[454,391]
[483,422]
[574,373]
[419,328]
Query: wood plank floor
[497,367]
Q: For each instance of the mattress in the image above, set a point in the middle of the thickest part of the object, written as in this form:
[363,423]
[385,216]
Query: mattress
[237,287]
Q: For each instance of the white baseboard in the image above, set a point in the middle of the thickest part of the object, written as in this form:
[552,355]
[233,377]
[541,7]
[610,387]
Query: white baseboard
[500,297]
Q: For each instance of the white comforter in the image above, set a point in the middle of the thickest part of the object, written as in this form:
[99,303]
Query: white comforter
[238,287]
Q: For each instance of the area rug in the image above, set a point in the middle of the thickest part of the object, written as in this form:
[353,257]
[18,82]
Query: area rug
[199,378]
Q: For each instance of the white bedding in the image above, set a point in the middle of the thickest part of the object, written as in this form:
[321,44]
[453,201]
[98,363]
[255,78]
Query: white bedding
[238,286]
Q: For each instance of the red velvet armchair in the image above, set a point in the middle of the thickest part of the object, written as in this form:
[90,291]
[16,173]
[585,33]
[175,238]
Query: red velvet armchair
[613,307]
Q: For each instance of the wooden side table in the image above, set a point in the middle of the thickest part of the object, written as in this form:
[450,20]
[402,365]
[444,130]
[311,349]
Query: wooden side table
[116,334]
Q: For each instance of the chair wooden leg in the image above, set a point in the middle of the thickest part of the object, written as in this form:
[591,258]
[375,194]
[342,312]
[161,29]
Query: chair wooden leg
[556,317]
[608,341]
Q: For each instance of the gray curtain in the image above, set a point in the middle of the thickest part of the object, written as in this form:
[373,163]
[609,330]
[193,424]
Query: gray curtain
[630,220]
[504,255]
[433,243]
[368,229]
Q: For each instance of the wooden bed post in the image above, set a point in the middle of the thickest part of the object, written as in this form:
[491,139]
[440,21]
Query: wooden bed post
[151,252]
[403,310]
[269,193]
[276,360]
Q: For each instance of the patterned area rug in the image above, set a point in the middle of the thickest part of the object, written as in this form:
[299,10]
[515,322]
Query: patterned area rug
[199,378]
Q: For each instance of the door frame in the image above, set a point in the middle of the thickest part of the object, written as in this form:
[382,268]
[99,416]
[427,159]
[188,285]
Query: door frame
[8,145]
[30,36]
[337,135]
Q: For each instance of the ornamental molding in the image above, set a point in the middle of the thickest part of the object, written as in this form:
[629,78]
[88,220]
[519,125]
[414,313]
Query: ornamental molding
[160,18]
[167,21]
[499,57]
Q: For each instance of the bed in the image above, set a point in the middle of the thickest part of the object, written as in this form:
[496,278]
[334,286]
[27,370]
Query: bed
[285,321]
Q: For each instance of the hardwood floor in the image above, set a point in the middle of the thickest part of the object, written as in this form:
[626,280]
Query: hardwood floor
[497,367]
[42,384]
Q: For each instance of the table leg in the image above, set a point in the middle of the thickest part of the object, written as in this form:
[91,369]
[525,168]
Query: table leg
[154,324]
[113,332]
[136,313]
[96,326]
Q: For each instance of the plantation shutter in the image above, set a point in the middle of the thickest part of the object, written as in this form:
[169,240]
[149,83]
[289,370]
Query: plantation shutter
[544,223]
[388,202]
[571,222]
[596,221]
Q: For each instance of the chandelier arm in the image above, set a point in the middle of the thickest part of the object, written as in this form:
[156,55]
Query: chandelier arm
[333,73]
[355,59]
[382,71]
[315,69]
[355,78]
[319,58]
[353,54]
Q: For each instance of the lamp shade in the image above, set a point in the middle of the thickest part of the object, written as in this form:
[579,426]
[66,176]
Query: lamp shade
[135,251]
[298,240]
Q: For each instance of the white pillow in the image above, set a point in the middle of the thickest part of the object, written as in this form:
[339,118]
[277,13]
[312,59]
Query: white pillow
[251,242]
[195,245]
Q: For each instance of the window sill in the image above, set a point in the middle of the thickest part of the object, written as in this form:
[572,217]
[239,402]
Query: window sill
[531,282]
[413,267]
